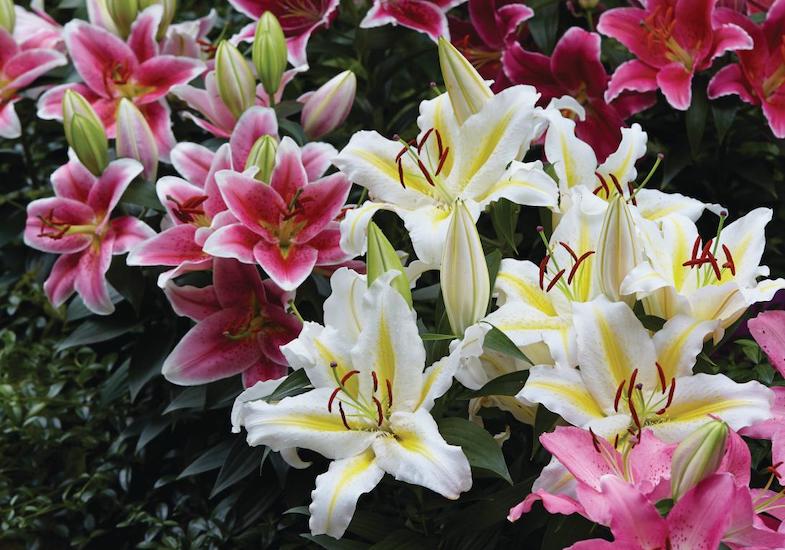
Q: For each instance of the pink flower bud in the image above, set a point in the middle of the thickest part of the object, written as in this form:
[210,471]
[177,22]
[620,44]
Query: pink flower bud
[326,108]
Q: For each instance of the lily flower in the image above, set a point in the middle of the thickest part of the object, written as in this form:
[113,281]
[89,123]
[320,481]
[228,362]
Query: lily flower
[18,69]
[712,280]
[672,40]
[425,16]
[768,330]
[423,180]
[574,69]
[189,38]
[112,69]
[241,322]
[76,223]
[299,20]
[629,380]
[369,408]
[286,225]
[36,29]
[759,76]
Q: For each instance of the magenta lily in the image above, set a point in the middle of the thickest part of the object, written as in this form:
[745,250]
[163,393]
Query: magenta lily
[299,20]
[773,430]
[759,76]
[575,69]
[113,69]
[36,29]
[241,322]
[491,30]
[76,223]
[672,39]
[425,16]
[18,69]
[768,330]
[288,227]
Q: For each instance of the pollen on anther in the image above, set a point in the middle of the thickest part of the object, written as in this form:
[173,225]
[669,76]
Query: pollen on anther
[343,416]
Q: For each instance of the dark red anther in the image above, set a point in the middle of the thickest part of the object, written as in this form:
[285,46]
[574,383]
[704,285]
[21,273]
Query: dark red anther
[715,266]
[594,441]
[423,140]
[670,397]
[695,246]
[632,383]
[343,416]
[345,378]
[389,393]
[577,264]
[729,263]
[705,251]
[569,249]
[661,374]
[632,194]
[774,469]
[400,173]
[379,410]
[439,143]
[554,280]
[634,414]
[543,267]
[333,395]
[442,160]
[616,184]
[375,381]
[401,153]
[618,396]
[603,185]
[425,173]
[616,441]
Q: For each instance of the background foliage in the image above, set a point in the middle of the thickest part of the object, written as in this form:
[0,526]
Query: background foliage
[99,451]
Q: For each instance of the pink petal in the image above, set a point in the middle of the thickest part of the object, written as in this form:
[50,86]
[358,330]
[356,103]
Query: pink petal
[237,284]
[64,211]
[116,178]
[206,353]
[650,461]
[90,280]
[289,173]
[768,330]
[142,38]
[632,103]
[574,449]
[253,124]
[631,75]
[676,84]
[192,302]
[317,157]
[59,286]
[601,129]
[283,328]
[72,181]
[525,67]
[10,127]
[128,233]
[192,161]
[221,161]
[633,519]
[737,460]
[493,23]
[328,243]
[172,191]
[263,370]
[774,110]
[252,202]
[730,80]
[232,241]
[624,24]
[287,270]
[693,25]
[160,73]
[23,68]
[554,504]
[8,46]
[730,37]
[159,118]
[697,522]
[321,202]
[576,62]
[171,247]
[50,104]
[418,15]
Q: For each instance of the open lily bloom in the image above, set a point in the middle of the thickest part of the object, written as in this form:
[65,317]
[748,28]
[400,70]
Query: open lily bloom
[672,40]
[241,323]
[299,20]
[112,69]
[421,181]
[759,76]
[629,380]
[712,280]
[189,38]
[425,16]
[768,330]
[19,68]
[76,223]
[36,29]
[369,409]
[286,225]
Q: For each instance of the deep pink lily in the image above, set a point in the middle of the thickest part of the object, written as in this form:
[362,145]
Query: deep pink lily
[768,330]
[288,227]
[299,19]
[492,28]
[672,39]
[773,429]
[759,76]
[425,16]
[575,69]
[241,322]
[112,69]
[76,223]
[18,69]
[36,29]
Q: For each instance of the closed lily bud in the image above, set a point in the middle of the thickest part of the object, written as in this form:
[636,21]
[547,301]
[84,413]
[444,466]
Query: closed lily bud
[465,282]
[170,7]
[269,52]
[619,249]
[262,156]
[123,14]
[698,456]
[588,4]
[382,258]
[134,138]
[7,15]
[326,108]
[236,83]
[85,132]
[467,90]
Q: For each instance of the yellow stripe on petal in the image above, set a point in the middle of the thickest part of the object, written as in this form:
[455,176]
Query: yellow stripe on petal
[389,168]
[529,293]
[357,467]
[490,141]
[670,357]
[318,422]
[385,357]
[615,357]
[577,397]
[697,410]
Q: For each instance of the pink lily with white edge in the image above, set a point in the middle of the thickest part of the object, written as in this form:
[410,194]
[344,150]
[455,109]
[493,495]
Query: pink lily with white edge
[241,322]
[425,16]
[36,29]
[112,69]
[76,223]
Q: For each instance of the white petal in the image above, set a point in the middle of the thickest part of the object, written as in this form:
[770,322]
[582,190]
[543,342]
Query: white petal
[679,342]
[343,309]
[316,349]
[427,227]
[654,204]
[260,390]
[523,183]
[746,239]
[621,163]
[573,160]
[563,391]
[354,226]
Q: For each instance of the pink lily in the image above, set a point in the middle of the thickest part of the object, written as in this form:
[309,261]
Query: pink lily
[768,330]
[76,223]
[18,69]
[189,38]
[299,20]
[575,69]
[773,429]
[289,226]
[759,76]
[672,39]
[425,16]
[36,29]
[491,30]
[113,69]
[241,322]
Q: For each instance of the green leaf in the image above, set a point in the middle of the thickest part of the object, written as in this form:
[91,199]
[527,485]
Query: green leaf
[494,262]
[504,216]
[498,341]
[77,310]
[329,543]
[724,112]
[114,387]
[404,538]
[97,330]
[431,336]
[295,383]
[148,356]
[211,459]
[544,25]
[292,129]
[696,116]
[544,421]
[564,531]
[190,398]
[142,194]
[151,430]
[507,384]
[241,461]
[480,448]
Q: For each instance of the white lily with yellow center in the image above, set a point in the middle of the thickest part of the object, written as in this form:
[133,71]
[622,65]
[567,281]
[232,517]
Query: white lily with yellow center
[369,409]
[628,381]
[716,279]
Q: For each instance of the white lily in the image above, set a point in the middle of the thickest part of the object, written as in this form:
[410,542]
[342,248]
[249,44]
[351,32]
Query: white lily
[712,280]
[629,380]
[474,162]
[369,407]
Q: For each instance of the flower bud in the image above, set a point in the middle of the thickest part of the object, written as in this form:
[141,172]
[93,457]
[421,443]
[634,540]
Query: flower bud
[262,156]
[383,258]
[465,282]
[619,249]
[170,7]
[698,456]
[7,15]
[236,83]
[123,14]
[326,108]
[588,4]
[269,52]
[467,90]
[85,132]
[134,138]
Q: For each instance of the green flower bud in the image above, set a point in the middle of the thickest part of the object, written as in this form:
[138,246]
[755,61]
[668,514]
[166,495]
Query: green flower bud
[236,83]
[123,14]
[698,456]
[467,90]
[170,7]
[382,258]
[269,52]
[619,249]
[262,156]
[85,132]
[7,15]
